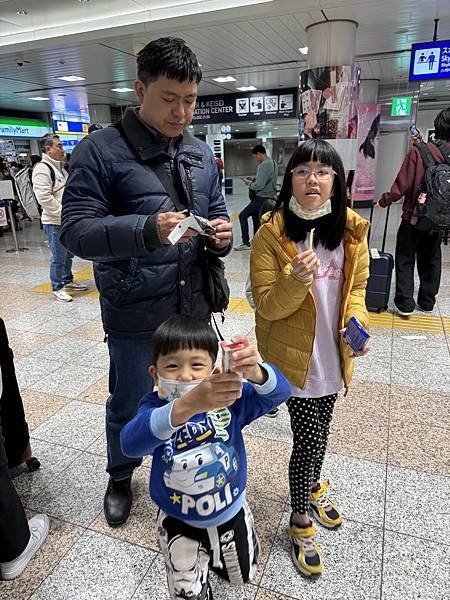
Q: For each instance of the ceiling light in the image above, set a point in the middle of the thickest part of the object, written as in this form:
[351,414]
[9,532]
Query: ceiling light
[237,130]
[71,78]
[303,50]
[247,88]
[84,1]
[22,12]
[122,90]
[200,65]
[38,98]
[224,79]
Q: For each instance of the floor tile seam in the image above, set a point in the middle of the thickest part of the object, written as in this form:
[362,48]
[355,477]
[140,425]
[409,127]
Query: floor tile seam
[145,575]
[418,471]
[383,534]
[56,565]
[271,545]
[418,537]
[26,387]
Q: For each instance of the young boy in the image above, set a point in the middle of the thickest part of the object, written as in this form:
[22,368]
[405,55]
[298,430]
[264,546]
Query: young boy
[192,427]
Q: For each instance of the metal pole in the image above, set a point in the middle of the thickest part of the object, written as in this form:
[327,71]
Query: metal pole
[16,248]
[436,22]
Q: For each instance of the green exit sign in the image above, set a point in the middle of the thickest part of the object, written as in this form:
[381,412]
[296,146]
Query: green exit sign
[401,107]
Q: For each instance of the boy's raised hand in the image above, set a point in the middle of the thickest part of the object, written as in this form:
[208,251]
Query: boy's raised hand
[245,361]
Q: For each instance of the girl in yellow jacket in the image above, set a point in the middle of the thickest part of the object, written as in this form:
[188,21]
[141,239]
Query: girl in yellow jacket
[309,268]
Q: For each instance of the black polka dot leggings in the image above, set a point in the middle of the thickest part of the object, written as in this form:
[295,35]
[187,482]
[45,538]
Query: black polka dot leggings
[310,424]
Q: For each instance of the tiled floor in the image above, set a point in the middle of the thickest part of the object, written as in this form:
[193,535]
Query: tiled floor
[387,459]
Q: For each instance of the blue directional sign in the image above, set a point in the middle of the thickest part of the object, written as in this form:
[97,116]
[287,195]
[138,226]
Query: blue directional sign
[430,61]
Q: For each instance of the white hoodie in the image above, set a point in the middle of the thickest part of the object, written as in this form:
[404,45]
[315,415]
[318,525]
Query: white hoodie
[48,195]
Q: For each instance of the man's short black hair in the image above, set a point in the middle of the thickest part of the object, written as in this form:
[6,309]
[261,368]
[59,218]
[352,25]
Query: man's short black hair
[442,125]
[47,141]
[170,57]
[259,148]
[182,332]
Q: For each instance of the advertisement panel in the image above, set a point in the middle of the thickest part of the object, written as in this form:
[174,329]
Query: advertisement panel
[366,162]
[328,101]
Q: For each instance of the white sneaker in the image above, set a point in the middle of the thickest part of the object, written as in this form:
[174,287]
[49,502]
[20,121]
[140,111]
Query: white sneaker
[78,287]
[242,247]
[62,296]
[403,313]
[39,526]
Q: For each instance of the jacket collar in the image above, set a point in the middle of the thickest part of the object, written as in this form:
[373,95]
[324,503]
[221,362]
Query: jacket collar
[148,143]
[355,229]
[57,164]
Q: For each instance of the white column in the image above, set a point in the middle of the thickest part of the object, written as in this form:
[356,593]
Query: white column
[368,91]
[331,43]
[100,113]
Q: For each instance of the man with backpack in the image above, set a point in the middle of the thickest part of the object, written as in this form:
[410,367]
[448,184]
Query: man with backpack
[424,181]
[49,179]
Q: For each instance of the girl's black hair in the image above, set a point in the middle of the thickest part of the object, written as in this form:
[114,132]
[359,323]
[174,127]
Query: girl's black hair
[329,230]
[182,332]
[170,57]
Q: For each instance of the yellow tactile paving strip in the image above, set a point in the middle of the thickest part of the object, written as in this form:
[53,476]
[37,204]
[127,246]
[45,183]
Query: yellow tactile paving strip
[387,320]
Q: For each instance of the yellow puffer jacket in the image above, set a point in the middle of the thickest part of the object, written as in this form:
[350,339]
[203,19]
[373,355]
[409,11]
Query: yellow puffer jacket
[285,307]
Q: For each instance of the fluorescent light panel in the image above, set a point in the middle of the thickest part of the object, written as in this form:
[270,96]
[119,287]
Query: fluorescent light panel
[224,79]
[71,78]
[247,88]
[38,98]
[303,50]
[122,90]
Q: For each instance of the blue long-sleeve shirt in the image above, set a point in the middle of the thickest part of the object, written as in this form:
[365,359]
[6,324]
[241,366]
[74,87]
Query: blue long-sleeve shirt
[199,469]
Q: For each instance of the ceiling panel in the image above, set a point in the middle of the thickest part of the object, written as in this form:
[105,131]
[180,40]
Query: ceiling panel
[260,50]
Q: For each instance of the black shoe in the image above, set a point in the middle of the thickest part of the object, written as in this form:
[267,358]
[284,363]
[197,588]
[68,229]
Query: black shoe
[117,502]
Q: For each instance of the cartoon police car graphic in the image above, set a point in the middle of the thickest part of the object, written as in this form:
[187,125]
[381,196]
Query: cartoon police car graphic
[202,469]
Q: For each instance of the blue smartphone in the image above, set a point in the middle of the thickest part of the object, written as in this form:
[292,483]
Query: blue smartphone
[355,335]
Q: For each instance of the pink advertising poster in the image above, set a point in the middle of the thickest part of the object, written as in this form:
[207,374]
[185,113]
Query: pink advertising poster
[366,162]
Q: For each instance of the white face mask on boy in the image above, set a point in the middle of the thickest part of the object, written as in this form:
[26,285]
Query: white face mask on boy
[310,214]
[172,389]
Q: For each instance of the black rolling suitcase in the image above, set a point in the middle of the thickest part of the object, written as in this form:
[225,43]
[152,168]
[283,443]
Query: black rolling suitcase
[380,278]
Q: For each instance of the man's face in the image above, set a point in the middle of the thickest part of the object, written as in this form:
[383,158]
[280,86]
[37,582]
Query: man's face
[166,104]
[259,157]
[56,151]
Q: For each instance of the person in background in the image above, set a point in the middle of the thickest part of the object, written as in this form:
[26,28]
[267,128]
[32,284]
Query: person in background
[261,188]
[19,539]
[309,268]
[220,168]
[49,178]
[412,243]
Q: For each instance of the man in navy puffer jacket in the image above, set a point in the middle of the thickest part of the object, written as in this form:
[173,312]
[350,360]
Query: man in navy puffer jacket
[117,212]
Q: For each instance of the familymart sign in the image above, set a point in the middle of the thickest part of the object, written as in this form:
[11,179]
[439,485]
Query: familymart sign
[22,128]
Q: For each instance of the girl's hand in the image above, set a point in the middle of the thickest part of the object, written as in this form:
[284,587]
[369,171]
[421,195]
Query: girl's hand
[305,264]
[362,352]
[245,361]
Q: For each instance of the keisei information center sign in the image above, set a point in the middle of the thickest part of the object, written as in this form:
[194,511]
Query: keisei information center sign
[254,106]
[430,61]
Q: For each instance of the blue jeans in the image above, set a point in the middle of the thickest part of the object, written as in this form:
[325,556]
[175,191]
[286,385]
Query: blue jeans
[129,381]
[251,210]
[61,260]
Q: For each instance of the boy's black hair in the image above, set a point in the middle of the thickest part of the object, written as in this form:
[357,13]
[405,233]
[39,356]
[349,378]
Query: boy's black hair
[259,148]
[442,125]
[329,230]
[182,332]
[170,57]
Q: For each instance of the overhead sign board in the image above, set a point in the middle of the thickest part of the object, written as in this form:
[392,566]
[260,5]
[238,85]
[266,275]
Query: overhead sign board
[430,61]
[253,106]
[68,127]
[401,107]
[22,128]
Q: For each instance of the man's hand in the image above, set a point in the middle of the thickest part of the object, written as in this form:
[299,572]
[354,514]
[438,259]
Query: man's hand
[216,391]
[305,264]
[224,232]
[245,361]
[166,223]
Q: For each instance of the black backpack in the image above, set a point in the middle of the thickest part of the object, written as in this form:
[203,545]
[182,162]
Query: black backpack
[432,207]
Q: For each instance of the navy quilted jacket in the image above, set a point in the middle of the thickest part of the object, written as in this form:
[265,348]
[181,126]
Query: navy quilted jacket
[111,196]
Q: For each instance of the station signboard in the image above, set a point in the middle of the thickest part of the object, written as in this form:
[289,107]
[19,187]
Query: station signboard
[253,106]
[430,60]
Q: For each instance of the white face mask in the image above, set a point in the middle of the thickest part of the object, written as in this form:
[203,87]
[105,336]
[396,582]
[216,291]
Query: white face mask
[309,214]
[172,389]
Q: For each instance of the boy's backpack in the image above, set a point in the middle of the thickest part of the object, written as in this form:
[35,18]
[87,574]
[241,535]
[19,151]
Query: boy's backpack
[432,207]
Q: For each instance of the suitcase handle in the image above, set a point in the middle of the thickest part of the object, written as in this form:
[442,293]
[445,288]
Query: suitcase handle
[385,226]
